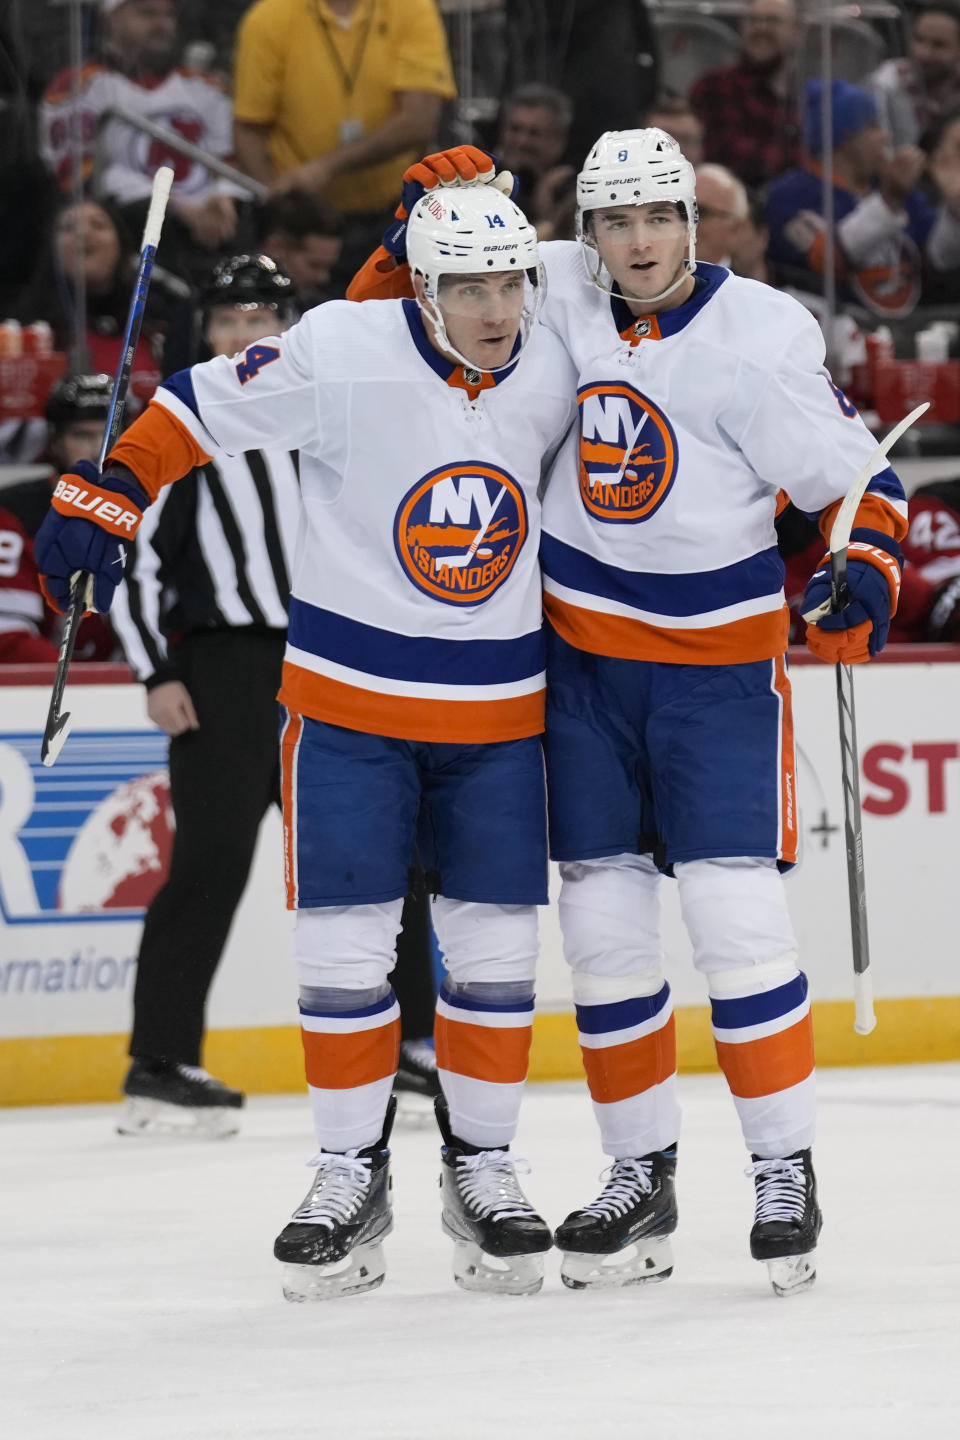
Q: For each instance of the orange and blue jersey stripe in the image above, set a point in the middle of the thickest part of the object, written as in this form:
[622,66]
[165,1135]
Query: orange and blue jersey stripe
[412,687]
[728,615]
[725,616]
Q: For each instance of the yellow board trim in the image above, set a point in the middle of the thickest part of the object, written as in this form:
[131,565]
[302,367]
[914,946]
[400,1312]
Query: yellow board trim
[61,1069]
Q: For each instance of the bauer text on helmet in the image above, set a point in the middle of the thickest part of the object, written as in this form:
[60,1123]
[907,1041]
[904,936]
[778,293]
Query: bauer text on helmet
[637,214]
[477,276]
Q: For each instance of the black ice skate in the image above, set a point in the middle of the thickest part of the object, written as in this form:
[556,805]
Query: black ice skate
[787,1222]
[622,1238]
[167,1098]
[499,1239]
[332,1246]
[417,1083]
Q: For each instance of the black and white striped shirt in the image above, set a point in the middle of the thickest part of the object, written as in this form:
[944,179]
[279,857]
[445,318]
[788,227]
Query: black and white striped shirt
[214,551]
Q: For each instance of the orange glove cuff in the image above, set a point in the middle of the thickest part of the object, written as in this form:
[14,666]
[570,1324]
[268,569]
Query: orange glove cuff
[849,647]
[112,512]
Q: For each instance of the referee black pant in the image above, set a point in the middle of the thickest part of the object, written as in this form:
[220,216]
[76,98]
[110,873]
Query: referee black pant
[223,778]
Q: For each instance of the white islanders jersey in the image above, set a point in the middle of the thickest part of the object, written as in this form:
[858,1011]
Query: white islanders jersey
[658,523]
[416,602]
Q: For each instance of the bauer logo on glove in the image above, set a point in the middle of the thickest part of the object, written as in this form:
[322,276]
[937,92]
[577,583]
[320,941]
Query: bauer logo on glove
[70,498]
[91,521]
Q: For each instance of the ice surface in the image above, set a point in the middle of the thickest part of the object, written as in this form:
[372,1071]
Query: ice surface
[139,1297]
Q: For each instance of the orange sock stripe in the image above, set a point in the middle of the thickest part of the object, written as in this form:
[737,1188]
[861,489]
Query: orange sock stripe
[288,779]
[763,1067]
[500,1054]
[619,1072]
[341,1062]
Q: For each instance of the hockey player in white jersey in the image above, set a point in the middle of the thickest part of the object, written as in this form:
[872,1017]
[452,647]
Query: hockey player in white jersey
[412,701]
[669,740]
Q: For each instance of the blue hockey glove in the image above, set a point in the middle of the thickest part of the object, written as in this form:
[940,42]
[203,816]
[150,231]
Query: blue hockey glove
[90,525]
[874,565]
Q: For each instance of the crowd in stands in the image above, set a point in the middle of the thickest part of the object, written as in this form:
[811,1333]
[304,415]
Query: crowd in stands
[310,110]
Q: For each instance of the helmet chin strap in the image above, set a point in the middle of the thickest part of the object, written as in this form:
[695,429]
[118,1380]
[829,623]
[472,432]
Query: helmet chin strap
[689,268]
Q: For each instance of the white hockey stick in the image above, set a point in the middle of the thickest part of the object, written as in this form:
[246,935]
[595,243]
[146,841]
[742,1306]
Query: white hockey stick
[843,524]
[864,1019]
[456,562]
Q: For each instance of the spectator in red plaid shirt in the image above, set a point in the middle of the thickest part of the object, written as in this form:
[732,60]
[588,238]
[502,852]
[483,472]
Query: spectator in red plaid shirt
[749,110]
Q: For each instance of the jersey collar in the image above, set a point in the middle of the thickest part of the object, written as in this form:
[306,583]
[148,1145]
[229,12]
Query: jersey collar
[449,371]
[634,328]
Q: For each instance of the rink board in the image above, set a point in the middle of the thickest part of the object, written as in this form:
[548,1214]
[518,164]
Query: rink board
[83,847]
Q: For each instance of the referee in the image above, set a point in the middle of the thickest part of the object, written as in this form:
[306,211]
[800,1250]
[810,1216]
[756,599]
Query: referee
[202,619]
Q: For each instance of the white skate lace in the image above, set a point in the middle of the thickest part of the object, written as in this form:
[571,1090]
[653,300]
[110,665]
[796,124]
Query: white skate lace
[194,1072]
[781,1189]
[627,1181]
[340,1188]
[488,1184]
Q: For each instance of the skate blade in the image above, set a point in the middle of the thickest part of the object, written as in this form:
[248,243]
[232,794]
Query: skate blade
[140,1116]
[486,1274]
[792,1273]
[636,1265]
[363,1269]
[414,1112]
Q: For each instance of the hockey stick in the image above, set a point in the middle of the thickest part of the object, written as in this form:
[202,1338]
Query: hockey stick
[865,1019]
[58,725]
[456,562]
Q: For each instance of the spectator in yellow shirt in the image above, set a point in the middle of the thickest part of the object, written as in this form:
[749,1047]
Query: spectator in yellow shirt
[339,96]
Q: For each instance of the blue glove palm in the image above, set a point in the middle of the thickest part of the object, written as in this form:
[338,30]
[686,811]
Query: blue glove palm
[69,541]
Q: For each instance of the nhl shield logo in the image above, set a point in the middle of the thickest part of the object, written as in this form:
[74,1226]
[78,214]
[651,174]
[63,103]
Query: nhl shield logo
[459,530]
[628,454]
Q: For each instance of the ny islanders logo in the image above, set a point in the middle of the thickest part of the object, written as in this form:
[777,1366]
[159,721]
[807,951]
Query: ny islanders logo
[459,531]
[628,454]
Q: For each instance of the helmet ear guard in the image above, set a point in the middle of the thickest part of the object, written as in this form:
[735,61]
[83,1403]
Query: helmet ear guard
[635,167]
[474,230]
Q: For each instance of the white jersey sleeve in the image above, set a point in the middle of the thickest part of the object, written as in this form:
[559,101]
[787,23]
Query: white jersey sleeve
[797,429]
[264,396]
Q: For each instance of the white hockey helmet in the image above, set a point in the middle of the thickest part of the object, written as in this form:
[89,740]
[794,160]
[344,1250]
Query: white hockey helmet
[635,167]
[472,230]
